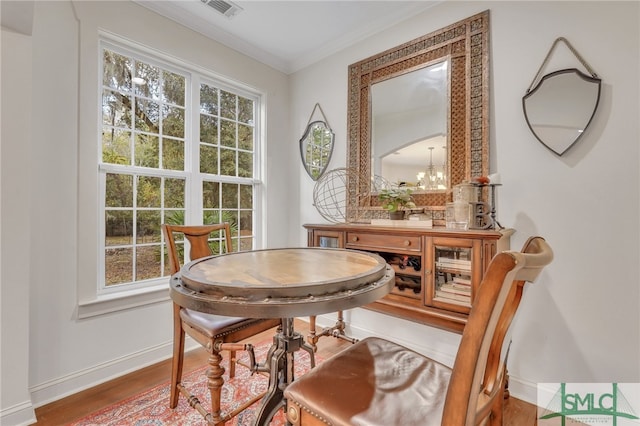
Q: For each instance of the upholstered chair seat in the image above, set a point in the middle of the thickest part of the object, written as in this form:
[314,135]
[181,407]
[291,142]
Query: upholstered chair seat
[392,381]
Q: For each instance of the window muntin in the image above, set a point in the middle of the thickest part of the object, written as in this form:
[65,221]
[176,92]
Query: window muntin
[147,157]
[226,133]
[233,203]
[135,207]
[143,114]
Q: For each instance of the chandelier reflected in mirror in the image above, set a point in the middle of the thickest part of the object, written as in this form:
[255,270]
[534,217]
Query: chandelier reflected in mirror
[434,177]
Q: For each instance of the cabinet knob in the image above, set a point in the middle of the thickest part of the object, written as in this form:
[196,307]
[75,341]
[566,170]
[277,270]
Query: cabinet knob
[407,243]
[354,239]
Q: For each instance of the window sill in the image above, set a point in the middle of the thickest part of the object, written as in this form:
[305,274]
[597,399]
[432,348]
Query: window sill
[105,304]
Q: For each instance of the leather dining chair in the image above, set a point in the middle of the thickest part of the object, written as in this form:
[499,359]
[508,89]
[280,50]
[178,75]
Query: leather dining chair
[378,382]
[213,332]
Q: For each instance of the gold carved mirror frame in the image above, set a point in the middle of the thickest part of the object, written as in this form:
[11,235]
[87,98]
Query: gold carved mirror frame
[466,45]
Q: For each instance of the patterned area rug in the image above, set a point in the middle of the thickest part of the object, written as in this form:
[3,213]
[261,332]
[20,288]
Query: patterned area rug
[152,407]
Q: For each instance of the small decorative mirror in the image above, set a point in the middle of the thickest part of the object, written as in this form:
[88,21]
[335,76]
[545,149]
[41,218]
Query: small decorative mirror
[560,107]
[316,145]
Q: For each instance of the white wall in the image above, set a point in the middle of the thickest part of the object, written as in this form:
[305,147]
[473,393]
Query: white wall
[47,231]
[580,321]
[15,400]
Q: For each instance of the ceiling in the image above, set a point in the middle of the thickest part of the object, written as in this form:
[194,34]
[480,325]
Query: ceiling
[288,35]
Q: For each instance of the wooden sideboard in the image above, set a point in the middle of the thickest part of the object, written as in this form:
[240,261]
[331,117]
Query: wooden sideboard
[438,270]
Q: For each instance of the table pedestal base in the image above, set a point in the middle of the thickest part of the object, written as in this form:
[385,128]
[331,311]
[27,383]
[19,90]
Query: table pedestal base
[280,364]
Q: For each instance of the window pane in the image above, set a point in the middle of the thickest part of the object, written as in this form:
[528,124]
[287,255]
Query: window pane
[148,191]
[175,217]
[119,190]
[227,105]
[229,196]
[118,227]
[245,110]
[147,116]
[148,262]
[246,223]
[210,195]
[174,193]
[246,196]
[147,151]
[116,146]
[227,162]
[172,154]
[208,159]
[228,133]
[245,137]
[118,266]
[147,81]
[231,216]
[208,129]
[148,227]
[245,244]
[211,217]
[173,121]
[208,99]
[116,109]
[174,88]
[117,70]
[245,164]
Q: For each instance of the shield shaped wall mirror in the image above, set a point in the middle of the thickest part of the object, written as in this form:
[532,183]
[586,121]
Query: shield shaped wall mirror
[316,145]
[559,106]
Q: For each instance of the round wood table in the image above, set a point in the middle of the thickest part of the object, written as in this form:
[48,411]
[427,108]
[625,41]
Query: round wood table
[281,283]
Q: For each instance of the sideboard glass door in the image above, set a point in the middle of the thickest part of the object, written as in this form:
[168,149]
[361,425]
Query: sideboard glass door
[328,239]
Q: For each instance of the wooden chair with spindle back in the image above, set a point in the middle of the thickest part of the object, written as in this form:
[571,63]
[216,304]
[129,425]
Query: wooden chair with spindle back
[378,382]
[214,332]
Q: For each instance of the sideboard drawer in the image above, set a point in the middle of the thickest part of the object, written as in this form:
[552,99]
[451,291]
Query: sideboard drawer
[383,241]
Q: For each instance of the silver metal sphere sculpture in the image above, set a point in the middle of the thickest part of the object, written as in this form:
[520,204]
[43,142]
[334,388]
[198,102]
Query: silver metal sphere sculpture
[330,195]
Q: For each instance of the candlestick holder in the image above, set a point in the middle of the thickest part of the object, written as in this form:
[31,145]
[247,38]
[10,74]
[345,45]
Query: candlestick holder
[494,221]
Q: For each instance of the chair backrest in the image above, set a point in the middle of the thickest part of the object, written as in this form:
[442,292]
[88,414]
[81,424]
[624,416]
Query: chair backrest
[198,237]
[478,372]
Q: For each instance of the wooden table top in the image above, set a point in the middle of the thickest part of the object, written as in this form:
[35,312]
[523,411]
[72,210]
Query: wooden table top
[277,283]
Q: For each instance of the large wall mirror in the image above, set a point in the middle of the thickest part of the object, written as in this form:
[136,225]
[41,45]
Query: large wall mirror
[418,116]
[409,128]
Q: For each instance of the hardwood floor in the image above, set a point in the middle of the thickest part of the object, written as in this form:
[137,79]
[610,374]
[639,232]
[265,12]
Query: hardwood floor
[71,408]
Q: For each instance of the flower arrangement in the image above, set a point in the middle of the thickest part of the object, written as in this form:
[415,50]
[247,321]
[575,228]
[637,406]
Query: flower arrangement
[396,199]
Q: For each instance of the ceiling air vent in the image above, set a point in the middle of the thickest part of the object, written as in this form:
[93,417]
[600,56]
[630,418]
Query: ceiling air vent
[226,8]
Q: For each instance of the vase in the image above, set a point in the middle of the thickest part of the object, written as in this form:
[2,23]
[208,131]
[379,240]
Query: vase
[397,215]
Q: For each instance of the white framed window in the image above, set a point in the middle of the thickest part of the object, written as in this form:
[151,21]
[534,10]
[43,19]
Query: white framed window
[176,145]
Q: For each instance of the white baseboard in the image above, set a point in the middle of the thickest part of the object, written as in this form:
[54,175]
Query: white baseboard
[53,390]
[22,414]
[523,389]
